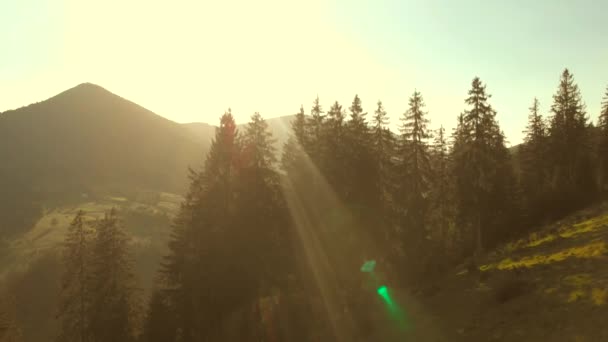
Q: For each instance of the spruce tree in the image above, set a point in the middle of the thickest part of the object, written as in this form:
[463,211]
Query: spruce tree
[298,126]
[314,145]
[383,145]
[533,164]
[569,147]
[359,161]
[263,227]
[334,159]
[294,157]
[415,173]
[114,298]
[440,193]
[75,304]
[383,149]
[603,145]
[484,180]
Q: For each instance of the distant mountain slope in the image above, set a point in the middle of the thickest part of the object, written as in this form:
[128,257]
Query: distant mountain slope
[279,126]
[201,131]
[89,135]
[88,138]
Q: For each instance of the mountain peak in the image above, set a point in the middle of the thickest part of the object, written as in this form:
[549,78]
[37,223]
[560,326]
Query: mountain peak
[87,87]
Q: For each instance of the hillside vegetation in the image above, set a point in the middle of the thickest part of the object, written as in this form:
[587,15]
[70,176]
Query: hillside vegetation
[550,286]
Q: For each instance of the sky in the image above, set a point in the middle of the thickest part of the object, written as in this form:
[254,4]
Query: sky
[190,60]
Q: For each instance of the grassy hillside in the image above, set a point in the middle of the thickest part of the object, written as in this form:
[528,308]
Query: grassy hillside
[30,264]
[550,286]
[147,220]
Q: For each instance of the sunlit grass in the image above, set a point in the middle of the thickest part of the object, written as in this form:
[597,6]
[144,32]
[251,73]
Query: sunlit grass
[536,239]
[578,280]
[575,295]
[598,296]
[591,250]
[117,199]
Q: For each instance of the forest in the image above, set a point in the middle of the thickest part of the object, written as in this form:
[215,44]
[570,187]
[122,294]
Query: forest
[269,247]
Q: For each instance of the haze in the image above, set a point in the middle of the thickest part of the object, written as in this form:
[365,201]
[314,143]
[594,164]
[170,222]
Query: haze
[190,60]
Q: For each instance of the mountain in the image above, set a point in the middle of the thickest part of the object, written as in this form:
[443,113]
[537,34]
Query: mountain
[88,140]
[202,131]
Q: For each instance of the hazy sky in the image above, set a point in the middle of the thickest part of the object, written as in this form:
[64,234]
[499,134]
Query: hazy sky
[190,60]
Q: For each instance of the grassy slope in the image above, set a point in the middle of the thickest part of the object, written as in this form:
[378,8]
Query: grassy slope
[147,221]
[551,286]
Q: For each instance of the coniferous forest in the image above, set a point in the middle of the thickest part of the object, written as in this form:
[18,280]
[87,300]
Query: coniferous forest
[268,246]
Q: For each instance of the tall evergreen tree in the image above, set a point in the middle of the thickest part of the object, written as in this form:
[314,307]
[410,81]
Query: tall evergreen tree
[383,146]
[441,192]
[314,145]
[415,174]
[294,158]
[533,164]
[335,158]
[383,149]
[204,219]
[603,145]
[75,306]
[299,126]
[264,229]
[569,147]
[482,168]
[114,305]
[358,154]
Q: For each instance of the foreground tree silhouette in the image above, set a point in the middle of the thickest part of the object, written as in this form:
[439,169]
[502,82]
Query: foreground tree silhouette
[441,192]
[569,148]
[231,239]
[383,149]
[114,306]
[533,164]
[484,179]
[414,178]
[205,214]
[75,305]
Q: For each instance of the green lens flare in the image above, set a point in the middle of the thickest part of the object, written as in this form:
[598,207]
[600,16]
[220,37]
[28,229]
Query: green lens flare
[383,291]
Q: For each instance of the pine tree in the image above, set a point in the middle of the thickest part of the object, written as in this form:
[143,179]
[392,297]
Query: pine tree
[75,306]
[196,243]
[533,164]
[294,158]
[261,208]
[383,144]
[358,158]
[334,159]
[484,180]
[441,194]
[314,145]
[383,149]
[603,145]
[569,147]
[415,176]
[114,306]
[298,127]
